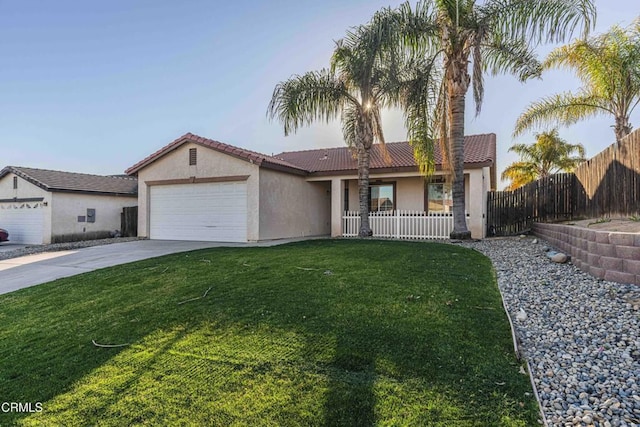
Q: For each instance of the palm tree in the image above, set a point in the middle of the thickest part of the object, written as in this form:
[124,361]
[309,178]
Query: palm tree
[609,67]
[496,36]
[548,155]
[355,89]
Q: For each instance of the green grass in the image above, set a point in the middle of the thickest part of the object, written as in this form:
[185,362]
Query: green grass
[327,332]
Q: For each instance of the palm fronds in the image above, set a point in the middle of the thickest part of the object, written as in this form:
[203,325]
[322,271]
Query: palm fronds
[608,66]
[548,155]
[562,109]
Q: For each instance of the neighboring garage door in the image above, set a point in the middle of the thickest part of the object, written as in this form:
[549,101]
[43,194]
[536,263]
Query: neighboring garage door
[214,212]
[24,221]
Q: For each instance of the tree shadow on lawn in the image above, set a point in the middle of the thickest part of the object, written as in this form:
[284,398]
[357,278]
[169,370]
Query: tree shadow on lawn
[302,334]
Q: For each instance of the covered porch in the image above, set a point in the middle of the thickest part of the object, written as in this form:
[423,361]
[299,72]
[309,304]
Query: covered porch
[407,206]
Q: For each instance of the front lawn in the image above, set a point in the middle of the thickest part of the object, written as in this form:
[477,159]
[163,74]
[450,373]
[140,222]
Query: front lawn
[325,332]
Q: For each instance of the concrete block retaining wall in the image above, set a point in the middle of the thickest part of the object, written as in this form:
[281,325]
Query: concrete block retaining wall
[604,254]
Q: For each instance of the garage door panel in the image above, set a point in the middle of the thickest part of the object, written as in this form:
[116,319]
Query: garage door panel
[23,221]
[209,212]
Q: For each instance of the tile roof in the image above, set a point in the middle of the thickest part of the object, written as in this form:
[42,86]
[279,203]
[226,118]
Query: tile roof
[50,180]
[480,150]
[241,153]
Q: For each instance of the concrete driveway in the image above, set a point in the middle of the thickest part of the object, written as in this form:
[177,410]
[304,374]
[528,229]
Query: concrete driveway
[18,273]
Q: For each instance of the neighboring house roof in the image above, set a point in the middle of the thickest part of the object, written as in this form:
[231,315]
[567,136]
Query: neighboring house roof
[50,180]
[480,151]
[259,159]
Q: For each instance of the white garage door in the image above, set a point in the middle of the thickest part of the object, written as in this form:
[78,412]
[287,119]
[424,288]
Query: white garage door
[214,212]
[24,221]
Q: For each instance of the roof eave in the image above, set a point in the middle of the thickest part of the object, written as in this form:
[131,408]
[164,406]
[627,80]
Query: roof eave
[397,169]
[133,170]
[282,168]
[16,171]
[95,193]
[254,160]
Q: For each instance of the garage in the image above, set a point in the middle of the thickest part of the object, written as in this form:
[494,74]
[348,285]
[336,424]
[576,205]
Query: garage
[214,211]
[24,221]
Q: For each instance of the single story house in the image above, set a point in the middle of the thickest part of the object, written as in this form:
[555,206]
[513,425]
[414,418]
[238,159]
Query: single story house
[199,189]
[39,206]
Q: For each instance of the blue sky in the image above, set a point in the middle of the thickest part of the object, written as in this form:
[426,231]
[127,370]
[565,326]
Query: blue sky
[96,86]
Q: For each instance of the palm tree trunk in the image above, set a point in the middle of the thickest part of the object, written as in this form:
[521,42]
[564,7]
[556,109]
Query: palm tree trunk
[460,230]
[622,128]
[364,159]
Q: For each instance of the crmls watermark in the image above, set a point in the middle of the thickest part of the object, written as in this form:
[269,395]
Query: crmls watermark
[6,407]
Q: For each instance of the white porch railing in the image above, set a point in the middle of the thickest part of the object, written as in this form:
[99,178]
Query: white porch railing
[400,224]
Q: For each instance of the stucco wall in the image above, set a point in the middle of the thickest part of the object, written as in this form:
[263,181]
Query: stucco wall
[27,190]
[67,207]
[475,203]
[210,164]
[292,207]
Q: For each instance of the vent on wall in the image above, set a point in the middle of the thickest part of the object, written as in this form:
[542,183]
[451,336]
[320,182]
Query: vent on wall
[193,156]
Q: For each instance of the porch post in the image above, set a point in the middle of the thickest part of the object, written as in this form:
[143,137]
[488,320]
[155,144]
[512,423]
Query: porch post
[336,207]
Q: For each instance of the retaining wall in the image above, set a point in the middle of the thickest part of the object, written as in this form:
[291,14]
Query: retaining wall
[606,255]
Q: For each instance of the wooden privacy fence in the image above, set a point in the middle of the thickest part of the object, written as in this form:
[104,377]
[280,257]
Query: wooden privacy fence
[545,200]
[608,185]
[129,222]
[400,224]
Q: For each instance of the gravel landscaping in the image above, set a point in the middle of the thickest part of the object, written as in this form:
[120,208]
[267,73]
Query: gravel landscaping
[579,334]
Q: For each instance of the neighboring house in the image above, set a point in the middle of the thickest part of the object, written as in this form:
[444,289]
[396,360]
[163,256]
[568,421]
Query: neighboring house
[39,206]
[199,189]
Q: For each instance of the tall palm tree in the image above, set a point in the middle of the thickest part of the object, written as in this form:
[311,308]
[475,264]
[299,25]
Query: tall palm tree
[497,36]
[608,66]
[548,155]
[354,89]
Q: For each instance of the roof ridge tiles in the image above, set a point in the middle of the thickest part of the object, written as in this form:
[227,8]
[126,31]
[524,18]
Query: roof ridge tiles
[67,172]
[56,180]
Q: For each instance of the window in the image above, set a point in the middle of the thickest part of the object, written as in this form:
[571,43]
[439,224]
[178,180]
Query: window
[439,197]
[193,156]
[381,197]
[15,182]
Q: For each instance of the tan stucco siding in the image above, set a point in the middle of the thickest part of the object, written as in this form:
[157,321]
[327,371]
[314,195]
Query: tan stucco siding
[410,193]
[475,202]
[210,164]
[292,207]
[67,207]
[25,189]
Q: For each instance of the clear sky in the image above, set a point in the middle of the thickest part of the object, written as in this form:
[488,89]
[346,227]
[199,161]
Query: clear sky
[94,87]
